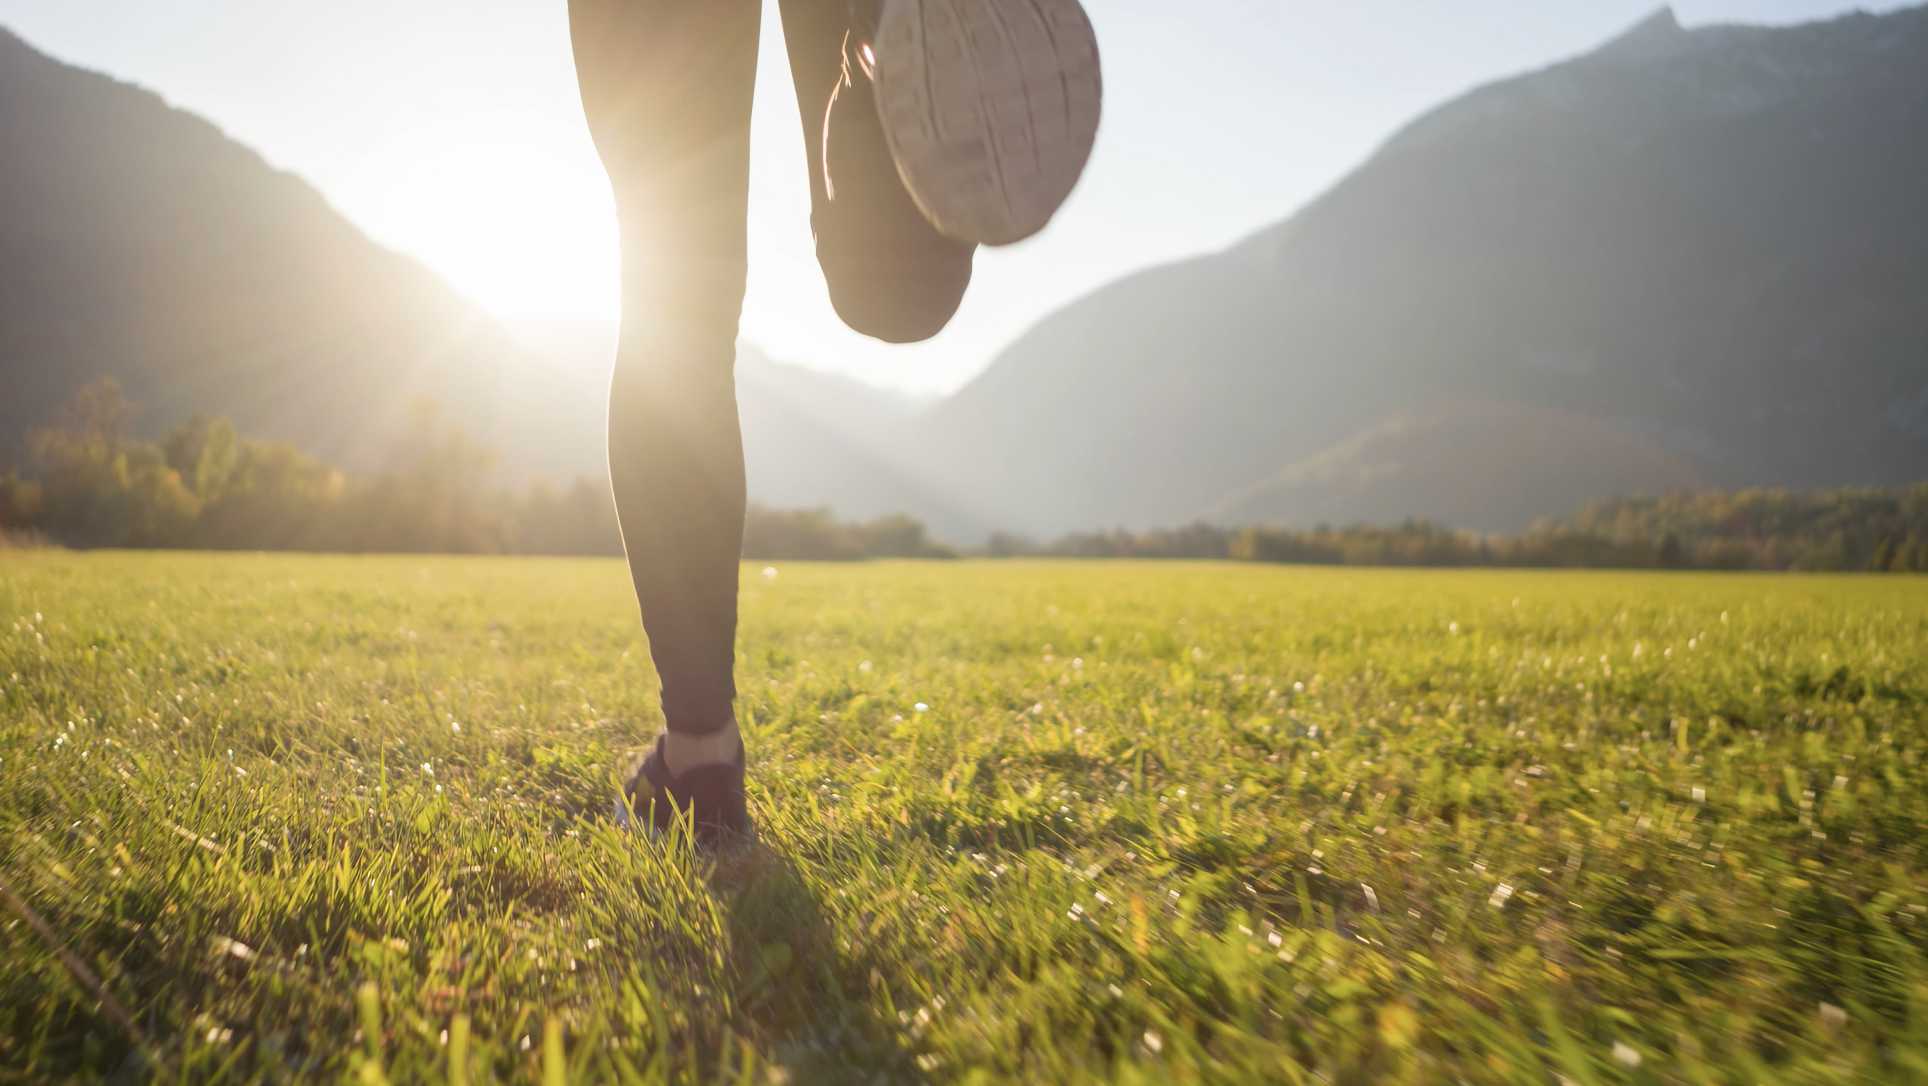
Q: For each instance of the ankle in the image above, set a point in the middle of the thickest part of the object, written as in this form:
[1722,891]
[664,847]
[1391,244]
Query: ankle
[683,751]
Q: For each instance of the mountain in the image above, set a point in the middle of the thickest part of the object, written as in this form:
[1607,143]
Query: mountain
[1706,249]
[1692,257]
[138,241]
[813,439]
[1477,464]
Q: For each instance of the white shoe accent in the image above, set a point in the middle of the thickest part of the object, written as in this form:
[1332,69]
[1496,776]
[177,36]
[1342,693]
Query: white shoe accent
[990,108]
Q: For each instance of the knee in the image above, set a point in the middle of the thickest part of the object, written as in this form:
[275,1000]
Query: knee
[670,384]
[897,298]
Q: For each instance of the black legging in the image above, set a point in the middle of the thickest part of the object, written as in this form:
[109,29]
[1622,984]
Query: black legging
[667,88]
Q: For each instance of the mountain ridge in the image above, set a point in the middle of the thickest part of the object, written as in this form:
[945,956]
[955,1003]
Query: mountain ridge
[1697,246]
[140,241]
[1639,235]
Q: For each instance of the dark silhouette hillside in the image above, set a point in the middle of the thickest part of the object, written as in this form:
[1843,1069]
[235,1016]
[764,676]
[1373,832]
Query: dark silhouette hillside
[139,242]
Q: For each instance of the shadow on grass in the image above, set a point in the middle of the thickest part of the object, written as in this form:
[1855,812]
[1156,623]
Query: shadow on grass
[824,1018]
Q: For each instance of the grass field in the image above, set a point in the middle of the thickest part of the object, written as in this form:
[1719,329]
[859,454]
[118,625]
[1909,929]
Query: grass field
[293,817]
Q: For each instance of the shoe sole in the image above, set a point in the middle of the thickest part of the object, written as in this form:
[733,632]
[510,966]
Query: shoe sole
[990,108]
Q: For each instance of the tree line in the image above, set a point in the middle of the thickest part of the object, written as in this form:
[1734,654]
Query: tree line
[1871,530]
[90,483]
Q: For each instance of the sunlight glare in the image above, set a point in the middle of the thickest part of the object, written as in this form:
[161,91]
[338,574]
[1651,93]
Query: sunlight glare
[535,242]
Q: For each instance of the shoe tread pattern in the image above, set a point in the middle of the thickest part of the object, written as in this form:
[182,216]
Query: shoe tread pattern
[991,108]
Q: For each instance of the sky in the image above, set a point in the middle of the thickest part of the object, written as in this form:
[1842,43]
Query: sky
[451,130]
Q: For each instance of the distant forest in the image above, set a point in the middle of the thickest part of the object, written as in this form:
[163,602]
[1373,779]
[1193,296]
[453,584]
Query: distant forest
[89,483]
[1877,531]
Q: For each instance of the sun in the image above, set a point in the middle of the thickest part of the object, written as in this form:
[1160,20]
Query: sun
[529,238]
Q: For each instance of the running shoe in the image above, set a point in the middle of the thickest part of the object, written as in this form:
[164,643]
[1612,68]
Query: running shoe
[710,797]
[990,108]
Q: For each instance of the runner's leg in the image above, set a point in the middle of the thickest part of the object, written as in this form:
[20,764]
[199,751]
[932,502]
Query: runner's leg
[667,85]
